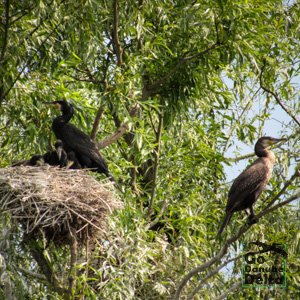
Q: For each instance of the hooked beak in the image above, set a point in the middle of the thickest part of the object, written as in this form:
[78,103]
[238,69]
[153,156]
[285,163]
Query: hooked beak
[276,141]
[55,105]
[59,152]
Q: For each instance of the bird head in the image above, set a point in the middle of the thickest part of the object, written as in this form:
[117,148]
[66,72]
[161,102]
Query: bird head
[59,148]
[267,141]
[58,144]
[59,104]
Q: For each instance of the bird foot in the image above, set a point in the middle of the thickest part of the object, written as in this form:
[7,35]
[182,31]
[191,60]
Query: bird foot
[252,220]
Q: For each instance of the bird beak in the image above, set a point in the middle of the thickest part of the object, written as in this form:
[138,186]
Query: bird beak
[276,141]
[69,164]
[55,105]
[59,152]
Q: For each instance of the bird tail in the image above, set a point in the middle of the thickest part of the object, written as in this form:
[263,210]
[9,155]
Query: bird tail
[225,223]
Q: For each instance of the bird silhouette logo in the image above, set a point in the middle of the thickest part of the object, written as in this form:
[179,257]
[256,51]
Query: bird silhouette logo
[276,248]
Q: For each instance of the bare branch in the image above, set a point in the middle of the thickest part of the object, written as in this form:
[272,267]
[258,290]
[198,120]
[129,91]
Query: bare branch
[237,285]
[249,155]
[275,95]
[280,204]
[97,122]
[216,270]
[286,185]
[115,136]
[209,275]
[242,157]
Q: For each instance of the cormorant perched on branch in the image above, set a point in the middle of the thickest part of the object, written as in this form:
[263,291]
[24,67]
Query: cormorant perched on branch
[248,186]
[77,141]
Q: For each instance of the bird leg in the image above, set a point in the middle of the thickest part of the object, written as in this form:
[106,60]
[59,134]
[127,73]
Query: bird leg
[251,216]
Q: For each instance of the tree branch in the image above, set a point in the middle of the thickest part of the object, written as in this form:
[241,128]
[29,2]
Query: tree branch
[156,161]
[216,270]
[6,27]
[237,285]
[114,137]
[286,185]
[275,95]
[209,275]
[249,155]
[156,220]
[44,265]
[234,238]
[97,122]
[32,274]
[118,48]
[73,260]
[242,157]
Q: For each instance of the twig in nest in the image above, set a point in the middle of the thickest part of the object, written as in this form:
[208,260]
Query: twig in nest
[55,201]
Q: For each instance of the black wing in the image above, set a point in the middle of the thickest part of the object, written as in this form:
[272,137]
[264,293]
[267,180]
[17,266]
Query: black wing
[250,181]
[76,140]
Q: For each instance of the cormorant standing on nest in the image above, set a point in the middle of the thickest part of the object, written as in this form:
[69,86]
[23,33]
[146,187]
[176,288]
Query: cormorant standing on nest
[58,157]
[248,186]
[77,141]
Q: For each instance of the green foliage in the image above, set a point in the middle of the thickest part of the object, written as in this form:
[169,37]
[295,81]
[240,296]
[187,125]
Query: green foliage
[194,67]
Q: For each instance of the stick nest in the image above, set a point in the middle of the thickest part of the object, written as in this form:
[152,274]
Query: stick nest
[58,203]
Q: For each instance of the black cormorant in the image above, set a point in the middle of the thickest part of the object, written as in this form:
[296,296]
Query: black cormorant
[77,141]
[248,186]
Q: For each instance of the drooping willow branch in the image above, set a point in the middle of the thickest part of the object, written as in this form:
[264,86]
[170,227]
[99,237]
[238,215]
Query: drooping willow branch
[275,95]
[241,231]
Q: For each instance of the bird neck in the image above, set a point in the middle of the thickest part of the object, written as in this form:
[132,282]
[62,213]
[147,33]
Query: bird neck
[67,114]
[263,152]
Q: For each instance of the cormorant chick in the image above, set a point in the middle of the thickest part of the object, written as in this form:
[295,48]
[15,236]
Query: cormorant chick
[35,160]
[58,157]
